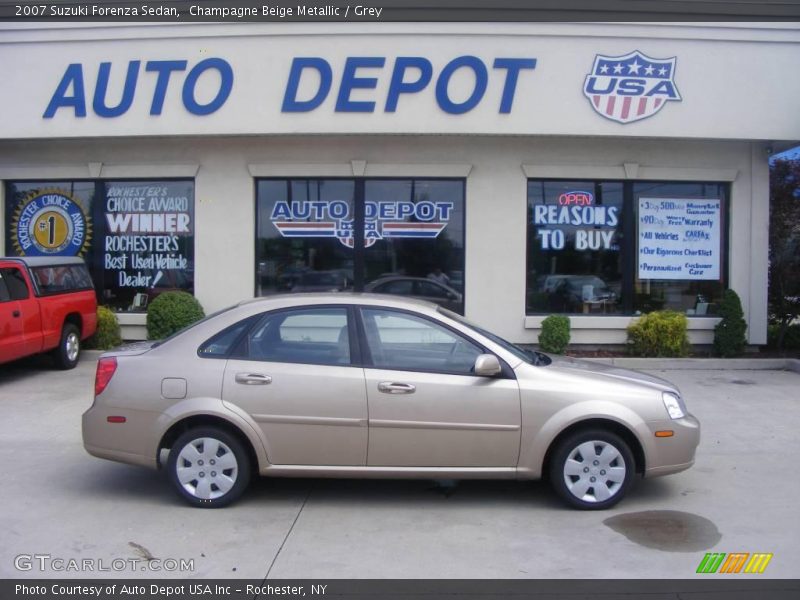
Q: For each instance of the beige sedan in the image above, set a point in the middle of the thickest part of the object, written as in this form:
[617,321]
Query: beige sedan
[360,385]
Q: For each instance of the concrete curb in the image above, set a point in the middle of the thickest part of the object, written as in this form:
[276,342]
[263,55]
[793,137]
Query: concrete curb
[701,364]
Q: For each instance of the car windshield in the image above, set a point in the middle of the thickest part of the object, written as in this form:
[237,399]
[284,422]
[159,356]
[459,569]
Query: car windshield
[532,357]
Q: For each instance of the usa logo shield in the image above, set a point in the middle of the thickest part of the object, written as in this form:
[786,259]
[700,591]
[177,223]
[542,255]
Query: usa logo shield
[631,87]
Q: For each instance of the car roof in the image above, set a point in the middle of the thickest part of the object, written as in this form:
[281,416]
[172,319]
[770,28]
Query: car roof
[46,261]
[309,298]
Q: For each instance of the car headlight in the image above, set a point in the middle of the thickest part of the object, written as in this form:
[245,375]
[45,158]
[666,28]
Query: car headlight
[674,405]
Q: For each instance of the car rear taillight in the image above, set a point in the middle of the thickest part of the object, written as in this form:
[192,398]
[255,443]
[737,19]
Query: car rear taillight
[105,371]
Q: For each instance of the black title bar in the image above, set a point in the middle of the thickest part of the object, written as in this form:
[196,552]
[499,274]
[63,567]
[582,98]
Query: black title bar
[277,11]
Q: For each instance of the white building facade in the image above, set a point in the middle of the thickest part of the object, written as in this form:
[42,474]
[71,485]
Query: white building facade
[595,170]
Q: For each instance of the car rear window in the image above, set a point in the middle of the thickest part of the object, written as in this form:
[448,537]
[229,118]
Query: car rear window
[61,279]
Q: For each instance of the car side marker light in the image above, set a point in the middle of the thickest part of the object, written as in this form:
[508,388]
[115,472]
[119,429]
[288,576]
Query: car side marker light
[665,433]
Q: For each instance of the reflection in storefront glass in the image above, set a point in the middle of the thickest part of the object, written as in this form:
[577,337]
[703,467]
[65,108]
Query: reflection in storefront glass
[421,250]
[304,235]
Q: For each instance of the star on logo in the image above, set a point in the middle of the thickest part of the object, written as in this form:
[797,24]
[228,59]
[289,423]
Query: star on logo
[649,70]
[604,69]
[617,68]
[634,67]
[662,71]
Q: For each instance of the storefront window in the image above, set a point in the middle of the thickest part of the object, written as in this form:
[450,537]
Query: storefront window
[413,237]
[305,235]
[137,237]
[605,247]
[574,236]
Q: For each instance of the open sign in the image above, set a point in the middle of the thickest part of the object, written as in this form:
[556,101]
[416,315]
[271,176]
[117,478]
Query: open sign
[576,199]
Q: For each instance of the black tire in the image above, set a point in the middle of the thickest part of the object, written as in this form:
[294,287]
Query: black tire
[68,352]
[602,487]
[210,488]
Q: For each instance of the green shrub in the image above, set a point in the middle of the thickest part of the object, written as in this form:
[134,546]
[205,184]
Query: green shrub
[660,333]
[107,334]
[555,334]
[791,339]
[171,312]
[729,339]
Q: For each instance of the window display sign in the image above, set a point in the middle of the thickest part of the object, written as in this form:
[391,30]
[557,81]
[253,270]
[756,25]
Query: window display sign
[382,220]
[679,238]
[149,235]
[593,226]
[50,222]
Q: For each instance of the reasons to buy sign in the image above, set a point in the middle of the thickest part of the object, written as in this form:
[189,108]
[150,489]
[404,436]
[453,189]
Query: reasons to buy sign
[679,238]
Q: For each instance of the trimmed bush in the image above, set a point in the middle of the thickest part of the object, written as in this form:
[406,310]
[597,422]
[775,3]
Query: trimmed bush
[729,338]
[659,334]
[107,334]
[791,339]
[555,334]
[171,312]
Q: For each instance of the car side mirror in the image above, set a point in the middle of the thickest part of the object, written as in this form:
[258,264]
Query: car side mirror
[487,365]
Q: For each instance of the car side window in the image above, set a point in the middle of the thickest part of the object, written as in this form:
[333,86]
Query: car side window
[316,336]
[4,295]
[17,288]
[221,344]
[405,342]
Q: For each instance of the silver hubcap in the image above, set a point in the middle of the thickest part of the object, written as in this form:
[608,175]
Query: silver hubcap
[73,346]
[207,468]
[594,471]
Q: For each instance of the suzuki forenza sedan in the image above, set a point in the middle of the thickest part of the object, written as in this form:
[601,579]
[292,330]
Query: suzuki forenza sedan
[359,385]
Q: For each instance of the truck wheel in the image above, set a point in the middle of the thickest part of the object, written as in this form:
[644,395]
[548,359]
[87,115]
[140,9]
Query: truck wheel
[69,348]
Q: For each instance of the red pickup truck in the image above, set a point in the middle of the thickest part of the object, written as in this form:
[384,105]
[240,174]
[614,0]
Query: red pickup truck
[46,304]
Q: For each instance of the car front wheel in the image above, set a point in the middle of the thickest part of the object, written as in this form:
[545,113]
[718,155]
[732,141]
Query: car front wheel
[208,467]
[592,469]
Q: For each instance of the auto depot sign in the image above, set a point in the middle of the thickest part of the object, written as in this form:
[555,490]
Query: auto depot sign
[409,75]
[148,81]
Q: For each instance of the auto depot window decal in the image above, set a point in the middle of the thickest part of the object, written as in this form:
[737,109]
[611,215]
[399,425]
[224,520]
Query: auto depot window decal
[309,234]
[381,220]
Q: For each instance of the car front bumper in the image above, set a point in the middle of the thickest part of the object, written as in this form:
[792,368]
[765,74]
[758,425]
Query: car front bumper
[666,455]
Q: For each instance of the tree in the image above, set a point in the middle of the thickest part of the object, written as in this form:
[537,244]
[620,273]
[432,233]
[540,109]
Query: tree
[784,244]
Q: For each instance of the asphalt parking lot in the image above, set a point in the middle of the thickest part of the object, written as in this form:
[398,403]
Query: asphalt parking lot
[741,496]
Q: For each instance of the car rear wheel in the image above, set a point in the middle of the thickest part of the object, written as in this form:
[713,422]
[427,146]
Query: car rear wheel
[209,467]
[69,347]
[592,469]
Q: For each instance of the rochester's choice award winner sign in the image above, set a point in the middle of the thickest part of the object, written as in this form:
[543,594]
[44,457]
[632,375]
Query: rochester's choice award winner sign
[679,238]
[147,230]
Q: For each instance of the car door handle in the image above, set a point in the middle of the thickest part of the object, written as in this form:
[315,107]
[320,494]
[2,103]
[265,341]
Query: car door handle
[253,379]
[16,314]
[391,387]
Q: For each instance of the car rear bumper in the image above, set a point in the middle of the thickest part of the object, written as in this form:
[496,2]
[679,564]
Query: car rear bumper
[121,442]
[673,454]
